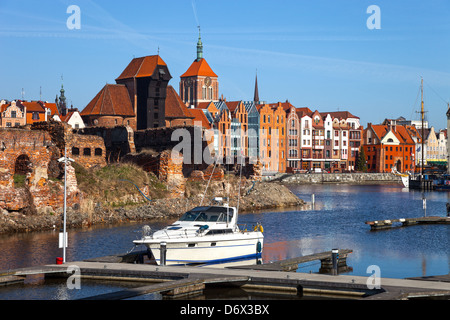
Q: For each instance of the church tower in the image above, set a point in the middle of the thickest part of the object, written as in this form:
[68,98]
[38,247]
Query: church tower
[199,83]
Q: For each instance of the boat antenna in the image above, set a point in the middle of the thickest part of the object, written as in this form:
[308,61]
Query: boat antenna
[240,178]
[207,185]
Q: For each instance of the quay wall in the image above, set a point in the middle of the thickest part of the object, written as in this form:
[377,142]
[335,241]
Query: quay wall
[305,178]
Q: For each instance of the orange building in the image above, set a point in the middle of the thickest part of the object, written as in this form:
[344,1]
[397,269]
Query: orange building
[19,113]
[389,146]
[272,137]
[222,135]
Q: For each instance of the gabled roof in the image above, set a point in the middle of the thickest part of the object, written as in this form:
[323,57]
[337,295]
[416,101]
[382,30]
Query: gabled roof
[175,108]
[5,106]
[340,114]
[32,106]
[49,105]
[286,105]
[68,115]
[233,105]
[112,100]
[142,67]
[199,68]
[250,107]
[400,132]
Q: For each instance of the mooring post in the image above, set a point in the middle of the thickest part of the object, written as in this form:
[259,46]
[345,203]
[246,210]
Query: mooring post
[313,200]
[334,259]
[163,251]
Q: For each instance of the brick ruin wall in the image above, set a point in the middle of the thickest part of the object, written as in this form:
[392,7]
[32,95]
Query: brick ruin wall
[118,141]
[32,152]
[29,153]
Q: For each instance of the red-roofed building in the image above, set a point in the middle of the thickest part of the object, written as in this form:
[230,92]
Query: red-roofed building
[176,112]
[137,100]
[146,79]
[389,146]
[19,113]
[199,83]
[73,117]
[110,107]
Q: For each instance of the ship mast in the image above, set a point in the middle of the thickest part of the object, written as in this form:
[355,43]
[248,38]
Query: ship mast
[423,138]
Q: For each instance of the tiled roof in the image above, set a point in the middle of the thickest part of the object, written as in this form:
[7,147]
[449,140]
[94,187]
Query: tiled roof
[32,106]
[67,117]
[232,105]
[199,116]
[49,105]
[199,68]
[3,107]
[340,114]
[141,67]
[400,132]
[175,108]
[286,105]
[112,100]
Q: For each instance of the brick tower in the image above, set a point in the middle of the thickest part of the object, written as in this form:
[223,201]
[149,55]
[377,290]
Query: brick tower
[199,83]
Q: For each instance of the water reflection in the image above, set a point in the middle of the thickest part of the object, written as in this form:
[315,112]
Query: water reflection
[337,221]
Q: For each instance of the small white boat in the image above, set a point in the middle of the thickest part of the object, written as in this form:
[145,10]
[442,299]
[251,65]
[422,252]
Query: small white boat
[403,176]
[204,235]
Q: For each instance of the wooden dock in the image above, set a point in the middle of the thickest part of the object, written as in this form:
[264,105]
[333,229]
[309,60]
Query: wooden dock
[390,223]
[174,282]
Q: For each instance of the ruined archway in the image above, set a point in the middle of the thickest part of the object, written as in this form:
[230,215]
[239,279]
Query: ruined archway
[22,168]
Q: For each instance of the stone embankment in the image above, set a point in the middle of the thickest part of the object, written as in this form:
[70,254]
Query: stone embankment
[257,196]
[306,178]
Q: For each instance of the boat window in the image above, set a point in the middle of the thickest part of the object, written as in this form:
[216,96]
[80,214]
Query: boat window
[223,217]
[219,231]
[211,214]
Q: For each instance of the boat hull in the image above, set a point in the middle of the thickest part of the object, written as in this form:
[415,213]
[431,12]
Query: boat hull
[206,250]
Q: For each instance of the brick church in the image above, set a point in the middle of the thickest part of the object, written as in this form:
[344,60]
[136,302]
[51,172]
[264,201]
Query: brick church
[199,83]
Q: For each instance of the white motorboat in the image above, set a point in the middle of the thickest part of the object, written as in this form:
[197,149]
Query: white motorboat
[204,235]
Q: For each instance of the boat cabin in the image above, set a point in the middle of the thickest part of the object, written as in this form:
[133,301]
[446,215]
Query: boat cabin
[209,214]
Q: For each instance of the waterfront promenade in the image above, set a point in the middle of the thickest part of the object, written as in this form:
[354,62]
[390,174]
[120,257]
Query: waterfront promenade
[186,278]
[323,177]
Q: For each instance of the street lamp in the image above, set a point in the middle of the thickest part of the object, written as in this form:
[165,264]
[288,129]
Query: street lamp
[63,242]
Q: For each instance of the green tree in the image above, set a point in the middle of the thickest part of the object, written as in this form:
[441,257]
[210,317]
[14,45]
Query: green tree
[361,164]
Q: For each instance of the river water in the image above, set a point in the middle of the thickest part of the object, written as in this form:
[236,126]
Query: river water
[337,220]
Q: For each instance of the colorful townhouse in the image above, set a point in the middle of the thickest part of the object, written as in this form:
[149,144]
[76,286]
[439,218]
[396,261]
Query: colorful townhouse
[19,113]
[318,141]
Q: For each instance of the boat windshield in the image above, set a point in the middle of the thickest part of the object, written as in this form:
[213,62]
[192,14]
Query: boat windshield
[208,214]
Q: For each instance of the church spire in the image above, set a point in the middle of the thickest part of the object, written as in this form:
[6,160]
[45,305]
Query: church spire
[199,46]
[256,96]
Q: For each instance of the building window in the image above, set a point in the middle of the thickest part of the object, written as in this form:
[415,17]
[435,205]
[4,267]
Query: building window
[86,152]
[13,114]
[98,152]
[75,151]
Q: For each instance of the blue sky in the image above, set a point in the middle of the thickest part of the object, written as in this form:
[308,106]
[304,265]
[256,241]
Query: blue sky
[319,54]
